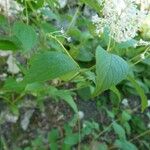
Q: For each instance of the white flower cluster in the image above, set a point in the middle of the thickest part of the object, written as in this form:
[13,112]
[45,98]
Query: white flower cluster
[141,42]
[121,17]
[144,4]
[10,7]
[4,5]
[62,3]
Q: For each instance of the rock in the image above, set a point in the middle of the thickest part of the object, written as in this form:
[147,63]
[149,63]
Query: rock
[5,53]
[12,66]
[6,116]
[26,119]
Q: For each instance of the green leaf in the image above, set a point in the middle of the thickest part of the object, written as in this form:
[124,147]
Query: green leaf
[85,93]
[35,87]
[110,113]
[36,4]
[37,143]
[66,96]
[140,91]
[53,137]
[147,61]
[94,4]
[110,70]
[116,91]
[7,45]
[72,139]
[127,128]
[63,95]
[11,85]
[127,44]
[125,116]
[102,146]
[97,146]
[49,65]
[4,23]
[54,146]
[25,34]
[90,128]
[119,130]
[125,145]
[84,55]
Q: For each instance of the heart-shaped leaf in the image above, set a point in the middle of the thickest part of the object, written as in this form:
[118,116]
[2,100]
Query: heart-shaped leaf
[110,70]
[49,65]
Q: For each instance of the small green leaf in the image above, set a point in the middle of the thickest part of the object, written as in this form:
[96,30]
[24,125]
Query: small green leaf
[49,65]
[119,130]
[25,34]
[94,4]
[84,55]
[36,4]
[72,139]
[97,146]
[66,96]
[52,138]
[85,93]
[110,113]
[125,116]
[125,145]
[110,70]
[53,135]
[11,85]
[140,91]
[102,146]
[7,45]
[116,91]
[127,128]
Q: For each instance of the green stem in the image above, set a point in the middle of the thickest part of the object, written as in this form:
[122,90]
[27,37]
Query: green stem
[77,74]
[109,126]
[18,98]
[64,49]
[140,60]
[140,135]
[106,129]
[146,50]
[26,11]
[4,145]
[109,43]
[73,19]
[6,99]
[79,129]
